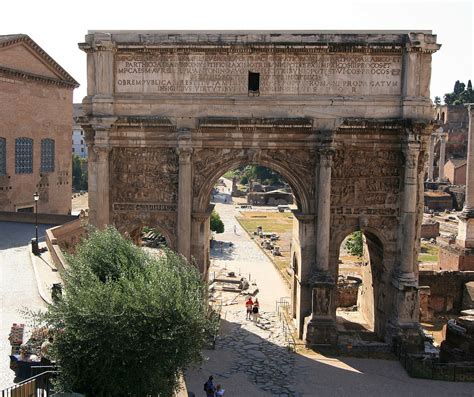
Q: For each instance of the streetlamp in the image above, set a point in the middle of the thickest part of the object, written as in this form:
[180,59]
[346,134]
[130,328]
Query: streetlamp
[34,246]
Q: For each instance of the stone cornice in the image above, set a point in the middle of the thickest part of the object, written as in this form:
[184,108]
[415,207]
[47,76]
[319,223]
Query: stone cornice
[67,79]
[18,74]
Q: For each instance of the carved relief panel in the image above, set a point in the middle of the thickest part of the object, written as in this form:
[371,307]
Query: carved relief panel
[144,175]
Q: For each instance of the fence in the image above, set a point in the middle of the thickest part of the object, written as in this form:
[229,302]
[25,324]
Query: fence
[37,386]
[421,366]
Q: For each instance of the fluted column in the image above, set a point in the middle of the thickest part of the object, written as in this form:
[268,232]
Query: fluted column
[431,158]
[324,210]
[442,157]
[102,207]
[184,201]
[411,151]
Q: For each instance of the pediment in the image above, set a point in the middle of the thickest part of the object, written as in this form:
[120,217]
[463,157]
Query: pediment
[21,54]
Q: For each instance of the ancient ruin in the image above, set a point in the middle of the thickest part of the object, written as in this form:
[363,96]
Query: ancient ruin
[343,116]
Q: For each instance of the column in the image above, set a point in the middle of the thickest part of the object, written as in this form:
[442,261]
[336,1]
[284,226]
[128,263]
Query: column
[324,210]
[184,201]
[431,158]
[466,219]
[469,200]
[442,157]
[102,208]
[320,326]
[409,214]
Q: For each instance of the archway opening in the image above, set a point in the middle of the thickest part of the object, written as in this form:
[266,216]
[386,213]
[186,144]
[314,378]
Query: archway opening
[150,237]
[358,289]
[254,203]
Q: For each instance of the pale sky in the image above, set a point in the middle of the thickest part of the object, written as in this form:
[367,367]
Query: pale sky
[58,25]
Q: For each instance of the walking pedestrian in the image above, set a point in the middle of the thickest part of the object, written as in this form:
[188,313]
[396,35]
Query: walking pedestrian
[209,387]
[235,229]
[219,391]
[248,306]
[255,310]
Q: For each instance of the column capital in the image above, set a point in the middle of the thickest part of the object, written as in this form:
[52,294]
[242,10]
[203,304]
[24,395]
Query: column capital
[185,154]
[102,152]
[326,155]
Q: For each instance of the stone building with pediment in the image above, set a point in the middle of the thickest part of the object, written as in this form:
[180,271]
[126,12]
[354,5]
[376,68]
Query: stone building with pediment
[344,117]
[35,128]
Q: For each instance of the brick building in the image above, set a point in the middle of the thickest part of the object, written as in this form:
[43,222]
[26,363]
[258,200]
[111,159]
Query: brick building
[455,171]
[35,128]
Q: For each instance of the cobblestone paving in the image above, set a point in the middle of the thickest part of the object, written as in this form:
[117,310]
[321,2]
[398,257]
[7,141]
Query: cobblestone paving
[261,354]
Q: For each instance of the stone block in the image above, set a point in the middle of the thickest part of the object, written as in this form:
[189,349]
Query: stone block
[468,296]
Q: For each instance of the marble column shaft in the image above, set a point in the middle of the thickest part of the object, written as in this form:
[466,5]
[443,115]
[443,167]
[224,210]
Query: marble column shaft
[442,156]
[324,210]
[469,200]
[102,185]
[431,158]
[184,202]
[409,208]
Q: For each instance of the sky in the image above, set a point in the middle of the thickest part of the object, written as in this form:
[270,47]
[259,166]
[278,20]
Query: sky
[59,25]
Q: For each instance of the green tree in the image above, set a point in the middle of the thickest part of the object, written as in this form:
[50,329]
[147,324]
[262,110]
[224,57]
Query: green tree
[127,323]
[437,100]
[460,94]
[79,173]
[355,244]
[216,223]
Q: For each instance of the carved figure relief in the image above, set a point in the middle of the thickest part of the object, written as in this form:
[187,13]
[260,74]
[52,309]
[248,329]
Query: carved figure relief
[144,175]
[321,300]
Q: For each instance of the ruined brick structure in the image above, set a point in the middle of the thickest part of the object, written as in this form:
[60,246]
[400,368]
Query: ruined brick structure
[343,117]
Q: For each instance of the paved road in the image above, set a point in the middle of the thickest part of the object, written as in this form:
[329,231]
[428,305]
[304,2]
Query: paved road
[252,359]
[17,285]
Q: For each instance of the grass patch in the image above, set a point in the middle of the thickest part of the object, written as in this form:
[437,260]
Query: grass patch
[429,253]
[278,222]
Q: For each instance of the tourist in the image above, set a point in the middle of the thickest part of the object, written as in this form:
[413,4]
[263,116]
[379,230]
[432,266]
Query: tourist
[44,351]
[248,306]
[219,391]
[255,310]
[235,229]
[209,387]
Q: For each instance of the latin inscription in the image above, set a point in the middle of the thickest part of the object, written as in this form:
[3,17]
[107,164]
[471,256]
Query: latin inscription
[330,74]
[148,207]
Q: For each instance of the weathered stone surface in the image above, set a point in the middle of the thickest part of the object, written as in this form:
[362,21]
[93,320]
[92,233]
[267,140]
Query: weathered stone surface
[342,116]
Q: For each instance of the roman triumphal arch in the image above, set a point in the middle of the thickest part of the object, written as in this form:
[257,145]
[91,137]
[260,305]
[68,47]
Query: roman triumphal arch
[343,116]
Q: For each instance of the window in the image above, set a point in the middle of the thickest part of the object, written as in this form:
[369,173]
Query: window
[23,155]
[3,156]
[254,84]
[47,155]
[73,150]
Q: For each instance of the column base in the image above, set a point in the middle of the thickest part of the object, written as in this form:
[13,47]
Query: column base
[320,331]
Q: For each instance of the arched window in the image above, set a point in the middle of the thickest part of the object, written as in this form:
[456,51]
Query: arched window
[47,155]
[23,155]
[3,156]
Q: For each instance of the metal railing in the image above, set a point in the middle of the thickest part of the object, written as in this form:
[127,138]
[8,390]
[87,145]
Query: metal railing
[37,386]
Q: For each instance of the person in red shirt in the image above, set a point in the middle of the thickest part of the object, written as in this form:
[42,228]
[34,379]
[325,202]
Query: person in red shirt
[248,306]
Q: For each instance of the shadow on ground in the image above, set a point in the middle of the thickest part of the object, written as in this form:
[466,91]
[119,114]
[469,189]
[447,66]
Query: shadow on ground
[15,234]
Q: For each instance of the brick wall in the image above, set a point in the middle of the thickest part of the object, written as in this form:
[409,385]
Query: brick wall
[446,289]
